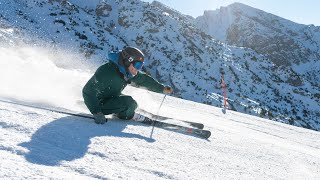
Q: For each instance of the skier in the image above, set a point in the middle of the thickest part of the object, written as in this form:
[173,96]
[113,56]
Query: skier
[102,93]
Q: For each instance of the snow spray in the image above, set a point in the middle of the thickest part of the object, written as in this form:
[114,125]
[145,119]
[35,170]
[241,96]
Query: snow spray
[31,75]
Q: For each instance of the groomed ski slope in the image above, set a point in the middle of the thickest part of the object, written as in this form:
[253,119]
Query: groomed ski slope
[39,144]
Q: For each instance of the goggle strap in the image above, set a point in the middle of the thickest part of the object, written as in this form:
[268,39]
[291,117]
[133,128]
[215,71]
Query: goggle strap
[127,56]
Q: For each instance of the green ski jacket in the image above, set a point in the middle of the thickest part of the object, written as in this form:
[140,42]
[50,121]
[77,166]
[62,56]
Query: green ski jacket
[108,82]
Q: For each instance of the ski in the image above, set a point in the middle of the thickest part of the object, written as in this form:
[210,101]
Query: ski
[177,128]
[163,118]
[164,125]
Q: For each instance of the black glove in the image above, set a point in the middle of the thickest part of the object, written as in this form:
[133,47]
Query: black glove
[167,90]
[99,118]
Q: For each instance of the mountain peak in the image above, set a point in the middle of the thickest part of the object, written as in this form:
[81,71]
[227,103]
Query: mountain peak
[239,5]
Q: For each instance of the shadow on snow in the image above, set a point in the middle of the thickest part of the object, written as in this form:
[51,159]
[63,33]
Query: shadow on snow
[68,138]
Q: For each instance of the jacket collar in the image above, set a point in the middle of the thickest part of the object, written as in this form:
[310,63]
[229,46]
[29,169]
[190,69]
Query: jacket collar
[114,57]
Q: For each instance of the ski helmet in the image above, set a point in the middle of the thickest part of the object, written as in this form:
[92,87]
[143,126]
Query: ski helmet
[132,55]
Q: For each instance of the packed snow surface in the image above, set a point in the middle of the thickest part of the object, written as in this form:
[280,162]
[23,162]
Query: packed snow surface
[39,144]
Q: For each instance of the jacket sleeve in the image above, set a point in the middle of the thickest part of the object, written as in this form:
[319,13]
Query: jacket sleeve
[144,80]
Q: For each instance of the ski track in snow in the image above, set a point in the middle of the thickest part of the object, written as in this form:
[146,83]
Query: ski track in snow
[39,144]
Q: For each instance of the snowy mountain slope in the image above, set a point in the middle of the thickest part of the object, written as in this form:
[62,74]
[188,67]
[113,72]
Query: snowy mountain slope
[177,53]
[286,43]
[39,144]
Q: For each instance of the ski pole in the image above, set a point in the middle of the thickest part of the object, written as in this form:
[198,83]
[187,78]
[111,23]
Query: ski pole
[153,123]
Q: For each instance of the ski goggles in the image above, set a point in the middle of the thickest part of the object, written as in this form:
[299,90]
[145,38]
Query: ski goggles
[137,64]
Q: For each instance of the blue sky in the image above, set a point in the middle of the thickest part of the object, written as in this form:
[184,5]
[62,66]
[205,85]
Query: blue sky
[300,11]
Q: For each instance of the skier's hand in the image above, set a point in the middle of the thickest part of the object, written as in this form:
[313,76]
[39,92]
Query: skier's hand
[99,118]
[167,90]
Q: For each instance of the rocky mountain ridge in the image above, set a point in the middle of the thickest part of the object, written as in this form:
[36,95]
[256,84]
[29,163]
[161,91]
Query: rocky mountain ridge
[289,45]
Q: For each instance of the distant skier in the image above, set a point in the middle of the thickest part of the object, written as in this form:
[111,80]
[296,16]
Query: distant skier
[102,93]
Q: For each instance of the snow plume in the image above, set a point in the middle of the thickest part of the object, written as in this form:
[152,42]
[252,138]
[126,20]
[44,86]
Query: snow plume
[36,75]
